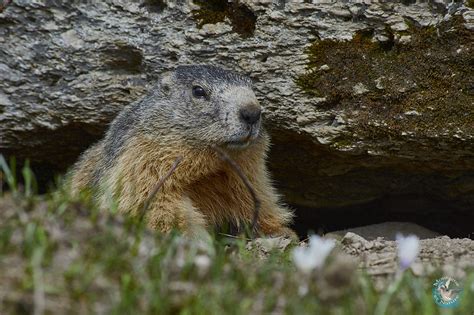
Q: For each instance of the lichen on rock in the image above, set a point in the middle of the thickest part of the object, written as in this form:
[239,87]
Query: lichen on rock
[378,83]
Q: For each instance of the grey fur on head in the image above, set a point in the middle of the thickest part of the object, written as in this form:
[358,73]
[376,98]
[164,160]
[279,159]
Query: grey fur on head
[198,104]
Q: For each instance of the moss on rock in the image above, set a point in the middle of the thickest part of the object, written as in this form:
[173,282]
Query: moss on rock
[417,81]
[214,11]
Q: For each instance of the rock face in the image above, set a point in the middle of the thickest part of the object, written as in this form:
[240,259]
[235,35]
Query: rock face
[364,102]
[386,230]
[379,257]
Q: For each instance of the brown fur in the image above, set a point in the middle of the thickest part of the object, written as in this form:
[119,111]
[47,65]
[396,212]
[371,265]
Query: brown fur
[175,120]
[203,192]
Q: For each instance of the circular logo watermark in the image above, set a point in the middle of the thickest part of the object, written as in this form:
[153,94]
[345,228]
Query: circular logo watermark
[446,292]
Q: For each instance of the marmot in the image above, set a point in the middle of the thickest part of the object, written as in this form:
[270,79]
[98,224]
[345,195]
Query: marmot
[189,112]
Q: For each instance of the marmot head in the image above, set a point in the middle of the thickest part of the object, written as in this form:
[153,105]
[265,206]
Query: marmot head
[206,104]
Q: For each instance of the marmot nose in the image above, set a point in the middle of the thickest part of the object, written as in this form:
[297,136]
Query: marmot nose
[250,114]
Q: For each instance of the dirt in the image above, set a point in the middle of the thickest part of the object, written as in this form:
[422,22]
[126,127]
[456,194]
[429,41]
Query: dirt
[440,256]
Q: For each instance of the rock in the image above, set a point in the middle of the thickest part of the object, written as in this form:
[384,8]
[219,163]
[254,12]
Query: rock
[441,255]
[62,84]
[359,88]
[324,68]
[386,230]
[405,39]
[400,26]
[379,84]
[268,244]
[412,113]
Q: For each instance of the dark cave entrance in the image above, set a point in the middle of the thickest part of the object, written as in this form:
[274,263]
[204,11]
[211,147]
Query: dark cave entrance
[333,191]
[438,216]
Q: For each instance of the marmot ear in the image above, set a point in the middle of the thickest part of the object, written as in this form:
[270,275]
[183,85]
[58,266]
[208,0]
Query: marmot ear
[165,82]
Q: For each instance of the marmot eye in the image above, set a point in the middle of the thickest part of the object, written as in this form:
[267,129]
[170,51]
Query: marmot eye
[198,91]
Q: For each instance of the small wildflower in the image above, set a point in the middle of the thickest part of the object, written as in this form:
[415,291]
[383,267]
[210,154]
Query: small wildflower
[408,250]
[308,258]
[303,289]
[303,259]
[202,262]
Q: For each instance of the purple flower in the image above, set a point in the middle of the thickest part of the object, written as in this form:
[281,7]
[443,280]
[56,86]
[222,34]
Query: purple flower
[408,250]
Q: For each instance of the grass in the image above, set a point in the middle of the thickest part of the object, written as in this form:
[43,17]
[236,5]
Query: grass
[61,255]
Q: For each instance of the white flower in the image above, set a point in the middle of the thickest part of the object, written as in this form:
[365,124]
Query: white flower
[408,249]
[202,262]
[308,258]
[302,257]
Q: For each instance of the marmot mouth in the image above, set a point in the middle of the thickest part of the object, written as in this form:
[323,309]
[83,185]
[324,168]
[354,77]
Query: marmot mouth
[237,144]
[242,142]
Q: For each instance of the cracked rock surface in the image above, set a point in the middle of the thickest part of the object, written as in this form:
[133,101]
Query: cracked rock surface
[379,257]
[340,138]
